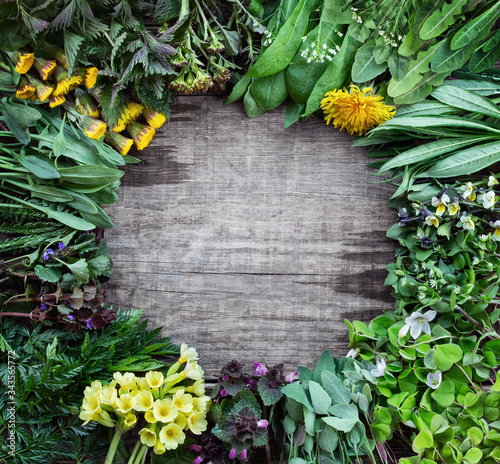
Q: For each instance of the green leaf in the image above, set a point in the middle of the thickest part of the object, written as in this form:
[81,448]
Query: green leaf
[429,150]
[101,219]
[421,89]
[278,56]
[80,270]
[365,68]
[293,111]
[328,439]
[239,90]
[335,388]
[325,362]
[252,109]
[445,393]
[90,175]
[484,88]
[446,60]
[466,161]
[440,20]
[41,168]
[481,60]
[268,394]
[269,91]
[296,391]
[320,399]
[475,30]
[72,43]
[335,74]
[474,455]
[48,274]
[446,355]
[68,219]
[425,108]
[465,100]
[346,417]
[422,441]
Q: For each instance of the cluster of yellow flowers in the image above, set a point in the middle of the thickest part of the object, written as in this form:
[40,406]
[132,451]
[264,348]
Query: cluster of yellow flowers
[56,85]
[171,404]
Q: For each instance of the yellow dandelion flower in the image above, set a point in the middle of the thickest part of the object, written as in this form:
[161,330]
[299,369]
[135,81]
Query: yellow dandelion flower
[62,81]
[197,423]
[44,67]
[90,77]
[150,417]
[85,104]
[24,62]
[42,91]
[141,134]
[94,128]
[125,403]
[148,437]
[154,118]
[33,97]
[143,401]
[159,447]
[164,410]
[132,111]
[183,401]
[172,436]
[24,89]
[154,379]
[74,82]
[355,112]
[56,100]
[120,143]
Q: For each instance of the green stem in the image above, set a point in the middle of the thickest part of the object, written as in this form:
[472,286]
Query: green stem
[135,451]
[113,447]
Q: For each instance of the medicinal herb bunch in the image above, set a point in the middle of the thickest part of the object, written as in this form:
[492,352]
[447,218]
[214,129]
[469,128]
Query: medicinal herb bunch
[52,368]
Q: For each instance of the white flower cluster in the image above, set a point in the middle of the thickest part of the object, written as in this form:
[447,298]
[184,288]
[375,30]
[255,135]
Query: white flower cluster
[390,38]
[318,53]
[269,38]
[356,16]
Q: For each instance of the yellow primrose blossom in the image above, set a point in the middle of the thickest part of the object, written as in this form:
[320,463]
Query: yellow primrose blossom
[91,404]
[108,395]
[125,403]
[143,401]
[24,62]
[172,436]
[94,388]
[150,417]
[197,423]
[356,111]
[201,404]
[126,381]
[105,419]
[159,447]
[198,388]
[148,437]
[192,371]
[188,354]
[88,416]
[440,203]
[164,410]
[142,383]
[154,118]
[129,421]
[181,421]
[183,401]
[154,379]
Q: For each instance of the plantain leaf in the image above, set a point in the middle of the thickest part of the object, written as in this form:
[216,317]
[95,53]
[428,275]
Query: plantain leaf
[466,161]
[440,20]
[476,29]
[429,151]
[425,108]
[465,100]
[421,89]
[484,88]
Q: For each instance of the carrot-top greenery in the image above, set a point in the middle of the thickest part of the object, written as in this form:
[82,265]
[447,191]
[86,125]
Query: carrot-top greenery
[85,85]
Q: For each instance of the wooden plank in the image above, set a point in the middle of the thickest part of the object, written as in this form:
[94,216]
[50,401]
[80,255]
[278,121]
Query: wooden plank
[250,241]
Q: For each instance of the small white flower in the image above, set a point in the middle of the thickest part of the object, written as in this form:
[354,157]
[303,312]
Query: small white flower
[313,45]
[432,283]
[329,58]
[304,39]
[492,181]
[431,272]
[467,222]
[468,191]
[379,369]
[417,323]
[337,47]
[266,32]
[352,354]
[496,234]
[424,266]
[324,45]
[400,37]
[484,237]
[340,34]
[475,261]
[434,380]
[381,32]
[354,9]
[488,200]
[456,290]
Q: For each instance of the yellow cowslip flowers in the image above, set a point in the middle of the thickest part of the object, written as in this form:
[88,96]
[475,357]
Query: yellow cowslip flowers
[173,404]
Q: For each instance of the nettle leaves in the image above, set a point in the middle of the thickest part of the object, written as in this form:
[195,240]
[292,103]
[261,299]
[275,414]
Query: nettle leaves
[323,411]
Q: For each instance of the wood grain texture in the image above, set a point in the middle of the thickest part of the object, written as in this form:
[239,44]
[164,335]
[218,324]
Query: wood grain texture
[250,241]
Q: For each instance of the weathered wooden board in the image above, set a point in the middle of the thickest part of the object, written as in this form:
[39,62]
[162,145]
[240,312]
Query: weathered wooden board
[248,240]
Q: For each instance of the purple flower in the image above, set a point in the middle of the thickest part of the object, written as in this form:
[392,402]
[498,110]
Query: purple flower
[223,393]
[262,423]
[226,377]
[259,369]
[61,246]
[89,324]
[250,383]
[43,307]
[198,460]
[244,454]
[196,448]
[71,317]
[48,253]
[292,376]
[232,453]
